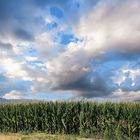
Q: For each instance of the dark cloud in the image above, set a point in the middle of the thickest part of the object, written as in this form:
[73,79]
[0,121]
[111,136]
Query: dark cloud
[87,88]
[22,34]
[16,19]
[81,80]
[107,33]
[19,18]
[116,55]
[6,46]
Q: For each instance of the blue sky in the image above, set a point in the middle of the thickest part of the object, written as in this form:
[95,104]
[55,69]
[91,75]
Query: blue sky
[70,49]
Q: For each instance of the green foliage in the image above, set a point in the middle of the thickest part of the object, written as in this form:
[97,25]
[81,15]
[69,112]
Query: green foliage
[110,120]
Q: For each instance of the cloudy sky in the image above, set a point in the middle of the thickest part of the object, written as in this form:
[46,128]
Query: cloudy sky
[67,49]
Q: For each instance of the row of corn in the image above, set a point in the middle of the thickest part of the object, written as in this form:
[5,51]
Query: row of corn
[77,117]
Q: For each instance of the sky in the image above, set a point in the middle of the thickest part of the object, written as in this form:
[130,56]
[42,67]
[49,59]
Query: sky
[70,49]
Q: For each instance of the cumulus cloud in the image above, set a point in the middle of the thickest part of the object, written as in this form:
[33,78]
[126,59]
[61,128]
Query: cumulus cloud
[108,27]
[72,70]
[13,95]
[120,95]
[46,46]
[102,62]
[14,69]
[111,26]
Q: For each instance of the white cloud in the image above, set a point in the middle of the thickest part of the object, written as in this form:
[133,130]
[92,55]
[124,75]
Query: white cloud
[45,45]
[133,73]
[107,27]
[110,26]
[29,58]
[13,95]
[121,75]
[13,69]
[67,67]
[120,95]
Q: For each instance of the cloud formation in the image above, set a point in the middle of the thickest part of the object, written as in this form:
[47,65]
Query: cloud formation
[108,27]
[102,59]
[13,95]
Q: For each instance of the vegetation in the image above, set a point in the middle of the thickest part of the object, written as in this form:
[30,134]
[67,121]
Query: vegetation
[109,120]
[40,136]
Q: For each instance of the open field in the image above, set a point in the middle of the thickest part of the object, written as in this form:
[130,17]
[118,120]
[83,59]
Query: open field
[81,118]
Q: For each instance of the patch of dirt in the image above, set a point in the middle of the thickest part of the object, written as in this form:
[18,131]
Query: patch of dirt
[40,136]
[5,137]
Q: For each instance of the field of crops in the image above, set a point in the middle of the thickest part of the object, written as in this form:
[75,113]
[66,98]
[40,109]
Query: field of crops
[78,118]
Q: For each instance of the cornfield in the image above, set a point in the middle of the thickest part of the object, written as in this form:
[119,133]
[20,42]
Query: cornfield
[81,117]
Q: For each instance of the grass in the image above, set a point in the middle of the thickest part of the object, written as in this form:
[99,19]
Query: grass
[42,136]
